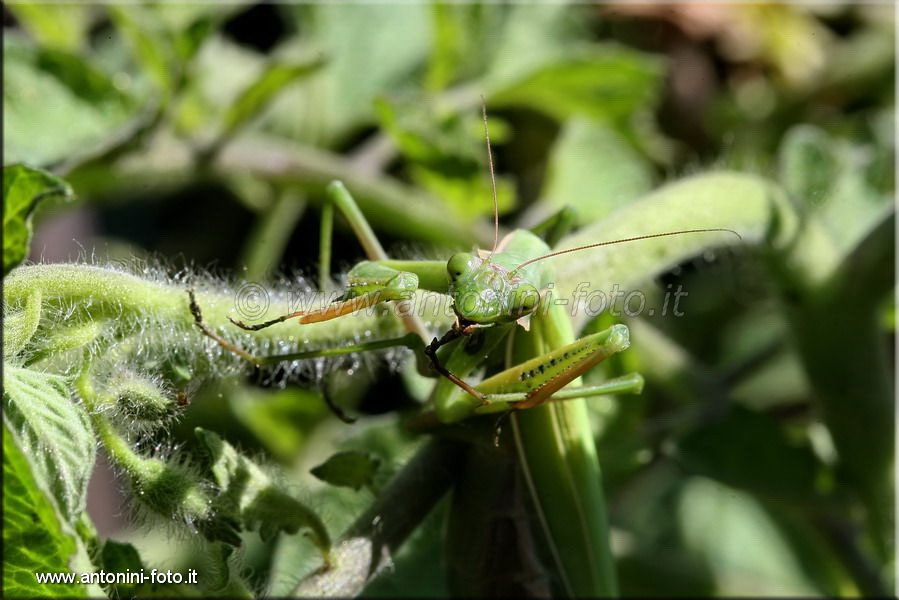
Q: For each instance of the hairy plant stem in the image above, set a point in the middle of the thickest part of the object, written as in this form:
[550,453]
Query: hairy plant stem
[118,449]
[100,294]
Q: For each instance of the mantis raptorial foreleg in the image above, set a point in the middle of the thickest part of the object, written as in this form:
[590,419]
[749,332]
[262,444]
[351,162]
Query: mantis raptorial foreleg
[538,380]
[410,340]
[370,283]
[490,291]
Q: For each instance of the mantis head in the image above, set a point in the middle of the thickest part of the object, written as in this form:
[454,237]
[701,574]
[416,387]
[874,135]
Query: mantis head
[486,293]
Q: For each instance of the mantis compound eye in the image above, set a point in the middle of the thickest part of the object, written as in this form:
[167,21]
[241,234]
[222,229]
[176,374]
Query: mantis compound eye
[458,265]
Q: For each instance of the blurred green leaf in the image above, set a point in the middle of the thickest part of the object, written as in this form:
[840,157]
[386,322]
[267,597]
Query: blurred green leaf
[456,29]
[837,180]
[808,167]
[447,156]
[222,69]
[23,189]
[521,39]
[54,432]
[594,170]
[748,450]
[190,24]
[56,105]
[249,493]
[339,100]
[116,557]
[449,141]
[813,551]
[350,468]
[256,97]
[779,381]
[744,548]
[600,82]
[33,538]
[151,44]
[469,196]
[281,420]
[62,26]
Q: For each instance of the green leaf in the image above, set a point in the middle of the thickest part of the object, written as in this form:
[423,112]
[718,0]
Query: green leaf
[594,170]
[56,105]
[33,537]
[455,31]
[247,491]
[23,189]
[601,82]
[191,24]
[152,44]
[350,468]
[54,432]
[838,180]
[470,196]
[747,450]
[364,59]
[62,26]
[254,99]
[117,557]
[746,551]
[808,168]
[282,420]
[447,156]
[533,35]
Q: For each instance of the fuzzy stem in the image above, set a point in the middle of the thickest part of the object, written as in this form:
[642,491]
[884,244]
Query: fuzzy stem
[117,448]
[102,294]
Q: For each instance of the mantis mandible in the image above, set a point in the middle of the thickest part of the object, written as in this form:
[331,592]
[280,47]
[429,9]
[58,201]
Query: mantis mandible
[497,295]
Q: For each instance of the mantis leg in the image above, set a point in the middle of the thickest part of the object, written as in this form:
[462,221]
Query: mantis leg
[340,197]
[411,341]
[431,352]
[632,383]
[541,379]
[370,282]
[546,375]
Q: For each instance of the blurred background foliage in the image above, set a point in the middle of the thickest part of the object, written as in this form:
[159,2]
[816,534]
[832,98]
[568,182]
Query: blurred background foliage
[203,134]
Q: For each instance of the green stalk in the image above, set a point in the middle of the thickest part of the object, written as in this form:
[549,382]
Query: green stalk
[558,456]
[106,294]
[266,242]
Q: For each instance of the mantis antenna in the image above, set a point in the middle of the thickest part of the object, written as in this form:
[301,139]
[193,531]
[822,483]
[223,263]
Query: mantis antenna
[492,178]
[630,239]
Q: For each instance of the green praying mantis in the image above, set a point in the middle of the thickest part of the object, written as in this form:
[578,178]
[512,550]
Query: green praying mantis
[498,296]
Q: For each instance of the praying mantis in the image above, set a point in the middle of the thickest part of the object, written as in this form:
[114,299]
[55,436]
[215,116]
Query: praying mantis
[498,297]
